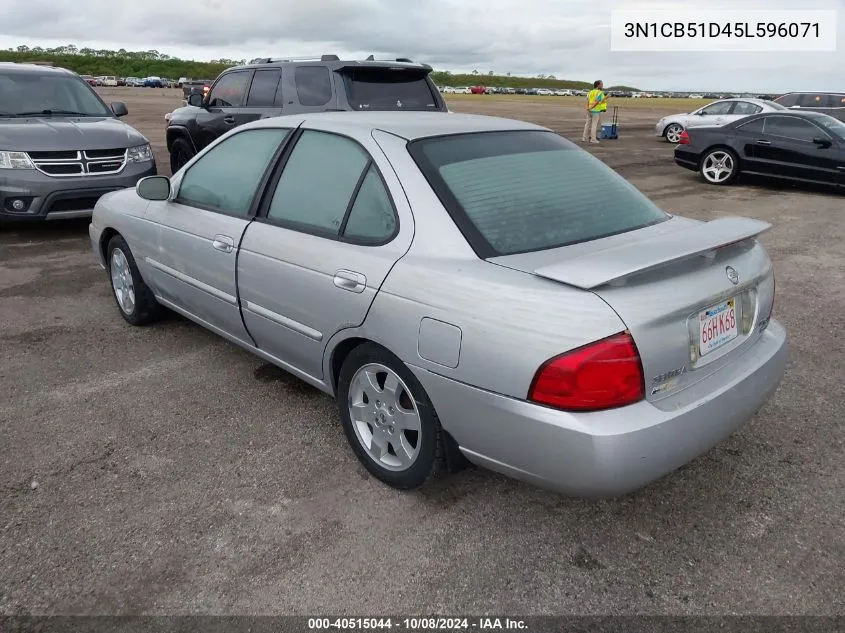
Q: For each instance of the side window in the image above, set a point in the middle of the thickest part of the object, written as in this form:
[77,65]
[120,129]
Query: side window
[372,218]
[792,128]
[226,177]
[787,101]
[752,127]
[313,85]
[811,100]
[262,92]
[745,108]
[228,91]
[317,183]
[722,107]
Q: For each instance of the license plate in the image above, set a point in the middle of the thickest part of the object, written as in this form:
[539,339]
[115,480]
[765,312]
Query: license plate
[717,326]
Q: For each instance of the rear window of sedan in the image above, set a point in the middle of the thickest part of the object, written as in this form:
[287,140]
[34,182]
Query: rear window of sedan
[523,191]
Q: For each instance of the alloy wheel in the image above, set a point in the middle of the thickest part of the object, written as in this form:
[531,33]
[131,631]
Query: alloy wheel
[384,416]
[718,167]
[673,133]
[122,283]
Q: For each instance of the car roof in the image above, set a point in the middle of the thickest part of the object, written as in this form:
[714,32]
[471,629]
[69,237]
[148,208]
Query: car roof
[31,69]
[804,114]
[407,125]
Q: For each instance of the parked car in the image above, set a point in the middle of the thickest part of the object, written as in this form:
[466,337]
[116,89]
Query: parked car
[276,87]
[832,103]
[61,146]
[789,145]
[154,82]
[645,338]
[478,90]
[716,113]
[110,82]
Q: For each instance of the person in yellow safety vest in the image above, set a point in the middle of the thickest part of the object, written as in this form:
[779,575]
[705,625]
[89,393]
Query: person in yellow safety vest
[596,105]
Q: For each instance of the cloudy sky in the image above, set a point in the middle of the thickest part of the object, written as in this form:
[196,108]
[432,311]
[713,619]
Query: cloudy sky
[567,38]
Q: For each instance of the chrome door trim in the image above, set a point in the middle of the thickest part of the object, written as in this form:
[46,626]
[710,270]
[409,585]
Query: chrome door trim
[196,283]
[284,321]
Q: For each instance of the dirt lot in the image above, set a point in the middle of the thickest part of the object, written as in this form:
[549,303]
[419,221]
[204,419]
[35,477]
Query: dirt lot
[163,470]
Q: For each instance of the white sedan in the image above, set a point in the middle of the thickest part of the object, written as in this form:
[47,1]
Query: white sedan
[716,113]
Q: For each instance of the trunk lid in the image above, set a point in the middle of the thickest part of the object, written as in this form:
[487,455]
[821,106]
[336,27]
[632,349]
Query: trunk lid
[692,294]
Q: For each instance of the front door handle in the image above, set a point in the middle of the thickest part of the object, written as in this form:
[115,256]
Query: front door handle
[842,167]
[350,280]
[763,142]
[223,243]
[229,120]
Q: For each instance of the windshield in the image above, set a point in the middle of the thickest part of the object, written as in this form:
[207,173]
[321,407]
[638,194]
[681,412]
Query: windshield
[388,89]
[516,192]
[25,94]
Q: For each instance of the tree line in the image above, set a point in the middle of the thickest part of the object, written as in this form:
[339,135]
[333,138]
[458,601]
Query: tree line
[124,63]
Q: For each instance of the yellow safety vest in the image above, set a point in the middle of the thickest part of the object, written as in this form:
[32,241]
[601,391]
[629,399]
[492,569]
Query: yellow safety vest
[597,95]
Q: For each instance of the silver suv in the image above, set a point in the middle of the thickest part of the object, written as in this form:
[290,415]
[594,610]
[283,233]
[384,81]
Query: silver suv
[61,146]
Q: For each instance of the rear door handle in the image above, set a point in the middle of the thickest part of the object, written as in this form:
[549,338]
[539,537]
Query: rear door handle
[762,142]
[223,243]
[229,120]
[350,280]
[842,167]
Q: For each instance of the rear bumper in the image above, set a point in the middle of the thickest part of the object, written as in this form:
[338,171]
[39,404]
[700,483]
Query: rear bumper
[606,453]
[49,198]
[687,160]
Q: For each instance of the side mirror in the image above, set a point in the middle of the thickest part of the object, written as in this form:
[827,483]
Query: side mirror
[822,142]
[155,188]
[196,100]
[119,109]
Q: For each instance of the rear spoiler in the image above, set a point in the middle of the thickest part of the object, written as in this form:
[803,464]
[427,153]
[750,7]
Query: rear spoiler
[399,64]
[602,267]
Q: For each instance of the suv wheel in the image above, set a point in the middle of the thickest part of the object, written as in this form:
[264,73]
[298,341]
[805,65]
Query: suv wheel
[180,153]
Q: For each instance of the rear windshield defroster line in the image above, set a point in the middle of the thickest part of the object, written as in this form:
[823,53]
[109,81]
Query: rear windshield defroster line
[522,191]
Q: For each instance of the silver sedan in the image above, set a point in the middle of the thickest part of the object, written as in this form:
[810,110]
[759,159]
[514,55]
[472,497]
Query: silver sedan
[466,287]
[716,113]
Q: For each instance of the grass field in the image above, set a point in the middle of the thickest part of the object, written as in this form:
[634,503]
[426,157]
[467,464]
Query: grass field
[679,105]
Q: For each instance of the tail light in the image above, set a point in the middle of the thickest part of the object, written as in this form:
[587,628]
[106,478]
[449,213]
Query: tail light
[683,139]
[603,375]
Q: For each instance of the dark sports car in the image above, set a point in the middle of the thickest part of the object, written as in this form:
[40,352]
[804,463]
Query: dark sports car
[799,146]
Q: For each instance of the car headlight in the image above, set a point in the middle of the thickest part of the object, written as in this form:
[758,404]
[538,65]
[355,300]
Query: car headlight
[15,160]
[139,154]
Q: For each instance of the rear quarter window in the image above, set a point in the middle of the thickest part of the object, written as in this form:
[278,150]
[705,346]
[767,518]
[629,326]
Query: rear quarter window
[516,192]
[313,85]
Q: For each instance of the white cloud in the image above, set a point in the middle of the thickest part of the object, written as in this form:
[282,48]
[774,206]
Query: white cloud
[567,38]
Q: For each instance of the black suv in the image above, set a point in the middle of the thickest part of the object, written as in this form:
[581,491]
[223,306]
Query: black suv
[275,87]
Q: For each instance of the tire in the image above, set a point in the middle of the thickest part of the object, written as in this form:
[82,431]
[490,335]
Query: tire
[180,153]
[134,299]
[719,166]
[672,133]
[364,378]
